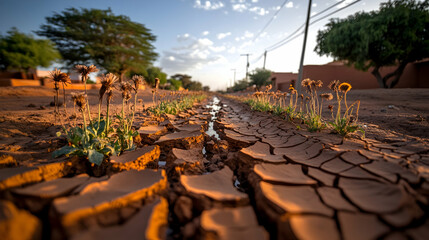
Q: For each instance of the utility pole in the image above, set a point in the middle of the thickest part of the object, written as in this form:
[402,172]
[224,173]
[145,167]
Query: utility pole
[234,73]
[265,58]
[298,83]
[247,65]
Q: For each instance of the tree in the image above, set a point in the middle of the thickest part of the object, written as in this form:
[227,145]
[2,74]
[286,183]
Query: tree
[175,84]
[260,77]
[206,88]
[240,85]
[195,86]
[21,52]
[155,72]
[93,36]
[395,35]
[185,79]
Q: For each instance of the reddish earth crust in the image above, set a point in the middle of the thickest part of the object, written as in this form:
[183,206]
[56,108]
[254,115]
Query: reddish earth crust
[266,179]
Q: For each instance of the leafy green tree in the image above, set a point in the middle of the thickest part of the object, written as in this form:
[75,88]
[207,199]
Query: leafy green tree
[155,72]
[240,85]
[395,35]
[195,86]
[260,77]
[206,88]
[21,52]
[94,36]
[175,84]
[185,79]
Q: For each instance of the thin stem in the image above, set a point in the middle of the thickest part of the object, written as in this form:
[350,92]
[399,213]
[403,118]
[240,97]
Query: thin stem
[107,117]
[134,110]
[84,128]
[64,95]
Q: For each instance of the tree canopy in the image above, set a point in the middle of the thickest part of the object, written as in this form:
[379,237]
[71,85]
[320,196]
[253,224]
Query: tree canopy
[154,72]
[260,77]
[21,52]
[187,83]
[94,36]
[395,35]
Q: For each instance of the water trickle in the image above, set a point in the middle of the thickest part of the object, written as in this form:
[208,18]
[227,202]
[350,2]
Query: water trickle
[215,109]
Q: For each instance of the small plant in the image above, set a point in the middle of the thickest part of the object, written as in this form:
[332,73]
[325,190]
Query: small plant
[346,123]
[185,100]
[290,110]
[85,141]
[313,116]
[59,78]
[97,139]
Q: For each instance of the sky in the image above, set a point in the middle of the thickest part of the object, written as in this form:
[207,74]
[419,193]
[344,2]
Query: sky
[205,39]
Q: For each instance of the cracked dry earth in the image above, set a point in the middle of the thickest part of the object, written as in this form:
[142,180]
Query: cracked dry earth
[221,171]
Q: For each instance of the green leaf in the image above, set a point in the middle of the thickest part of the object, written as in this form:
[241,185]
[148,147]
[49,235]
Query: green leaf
[95,157]
[66,150]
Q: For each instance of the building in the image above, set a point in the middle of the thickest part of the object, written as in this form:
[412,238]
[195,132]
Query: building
[415,75]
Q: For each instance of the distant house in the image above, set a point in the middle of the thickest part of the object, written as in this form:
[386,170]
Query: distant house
[416,75]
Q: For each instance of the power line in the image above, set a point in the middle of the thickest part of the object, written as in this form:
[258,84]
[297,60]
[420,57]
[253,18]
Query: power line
[332,13]
[328,8]
[272,18]
[291,36]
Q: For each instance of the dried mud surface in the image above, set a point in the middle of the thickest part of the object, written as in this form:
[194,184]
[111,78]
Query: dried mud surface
[220,171]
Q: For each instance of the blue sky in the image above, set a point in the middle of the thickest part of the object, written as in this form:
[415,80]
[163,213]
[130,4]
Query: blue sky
[205,38]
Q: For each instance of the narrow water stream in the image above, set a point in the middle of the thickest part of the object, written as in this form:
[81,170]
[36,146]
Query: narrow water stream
[214,106]
[214,111]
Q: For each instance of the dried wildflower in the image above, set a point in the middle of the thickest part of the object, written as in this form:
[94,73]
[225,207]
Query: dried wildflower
[137,81]
[318,83]
[107,82]
[334,85]
[301,96]
[109,96]
[80,100]
[331,108]
[327,96]
[125,88]
[345,87]
[307,98]
[294,92]
[59,77]
[85,71]
[291,87]
[126,96]
[306,82]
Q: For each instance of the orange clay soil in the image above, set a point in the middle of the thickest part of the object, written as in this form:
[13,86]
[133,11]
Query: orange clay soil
[27,129]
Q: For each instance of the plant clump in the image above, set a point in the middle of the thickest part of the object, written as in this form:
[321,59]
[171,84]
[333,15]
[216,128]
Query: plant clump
[308,107]
[97,139]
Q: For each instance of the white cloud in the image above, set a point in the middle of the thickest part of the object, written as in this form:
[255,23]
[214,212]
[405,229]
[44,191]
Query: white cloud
[223,35]
[248,34]
[195,55]
[239,7]
[208,5]
[259,10]
[289,5]
[314,5]
[232,50]
[254,1]
[205,33]
[183,37]
[218,49]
